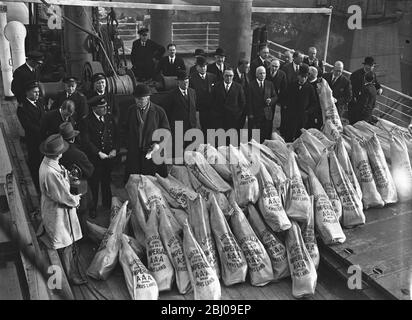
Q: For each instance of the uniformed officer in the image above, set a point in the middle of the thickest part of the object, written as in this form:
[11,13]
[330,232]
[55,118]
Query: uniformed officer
[99,88]
[99,140]
[70,92]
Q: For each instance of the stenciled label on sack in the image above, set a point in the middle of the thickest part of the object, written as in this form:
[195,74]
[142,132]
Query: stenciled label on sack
[365,171]
[298,260]
[324,207]
[331,191]
[379,174]
[207,246]
[156,254]
[180,196]
[143,279]
[275,249]
[202,272]
[253,253]
[346,197]
[176,251]
[298,190]
[270,197]
[308,236]
[245,177]
[232,252]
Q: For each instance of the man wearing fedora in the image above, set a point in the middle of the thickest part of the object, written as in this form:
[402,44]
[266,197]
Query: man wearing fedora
[70,92]
[30,112]
[261,60]
[145,55]
[365,103]
[171,64]
[198,53]
[26,73]
[301,103]
[219,66]
[53,119]
[58,205]
[143,118]
[181,106]
[100,142]
[202,82]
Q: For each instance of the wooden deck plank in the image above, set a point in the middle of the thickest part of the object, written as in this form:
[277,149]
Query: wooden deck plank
[398,284]
[9,282]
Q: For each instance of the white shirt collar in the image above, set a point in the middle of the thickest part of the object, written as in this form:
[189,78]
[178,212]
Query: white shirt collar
[260,81]
[295,65]
[183,91]
[261,59]
[238,72]
[226,84]
[172,58]
[97,116]
[31,68]
[32,102]
[202,76]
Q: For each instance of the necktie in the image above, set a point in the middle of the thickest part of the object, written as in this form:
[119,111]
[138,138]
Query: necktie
[296,68]
[139,115]
[101,119]
[227,88]
[171,60]
[143,44]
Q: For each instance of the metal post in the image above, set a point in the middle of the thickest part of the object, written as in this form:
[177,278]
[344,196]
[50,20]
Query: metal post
[207,37]
[327,35]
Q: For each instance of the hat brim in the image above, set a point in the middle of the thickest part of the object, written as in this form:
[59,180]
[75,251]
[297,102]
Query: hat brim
[56,153]
[75,133]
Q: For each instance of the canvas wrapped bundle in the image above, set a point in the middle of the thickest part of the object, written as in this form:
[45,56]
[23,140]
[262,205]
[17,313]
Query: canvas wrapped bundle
[274,247]
[203,277]
[401,168]
[308,236]
[329,110]
[259,263]
[140,283]
[244,182]
[232,260]
[106,257]
[179,192]
[216,160]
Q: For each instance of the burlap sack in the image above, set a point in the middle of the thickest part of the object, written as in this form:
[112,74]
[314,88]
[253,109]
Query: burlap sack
[274,247]
[363,172]
[106,256]
[174,248]
[270,203]
[158,261]
[329,110]
[346,164]
[298,204]
[330,131]
[140,283]
[326,222]
[313,144]
[180,173]
[302,152]
[216,160]
[401,168]
[205,282]
[308,236]
[302,268]
[380,170]
[352,214]
[321,137]
[178,191]
[245,183]
[322,172]
[200,224]
[232,260]
[260,266]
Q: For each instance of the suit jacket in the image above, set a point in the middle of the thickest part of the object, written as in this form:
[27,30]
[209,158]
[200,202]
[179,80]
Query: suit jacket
[167,69]
[21,76]
[291,75]
[316,63]
[280,82]
[244,82]
[301,102]
[357,81]
[203,90]
[143,55]
[156,119]
[212,68]
[230,105]
[341,88]
[257,99]
[97,136]
[74,155]
[30,118]
[367,99]
[179,109]
[79,100]
[254,65]
[50,123]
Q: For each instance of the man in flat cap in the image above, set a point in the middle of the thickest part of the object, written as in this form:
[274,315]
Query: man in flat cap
[52,120]
[202,82]
[30,112]
[145,54]
[26,73]
[219,66]
[70,92]
[357,79]
[301,102]
[143,118]
[181,110]
[99,137]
